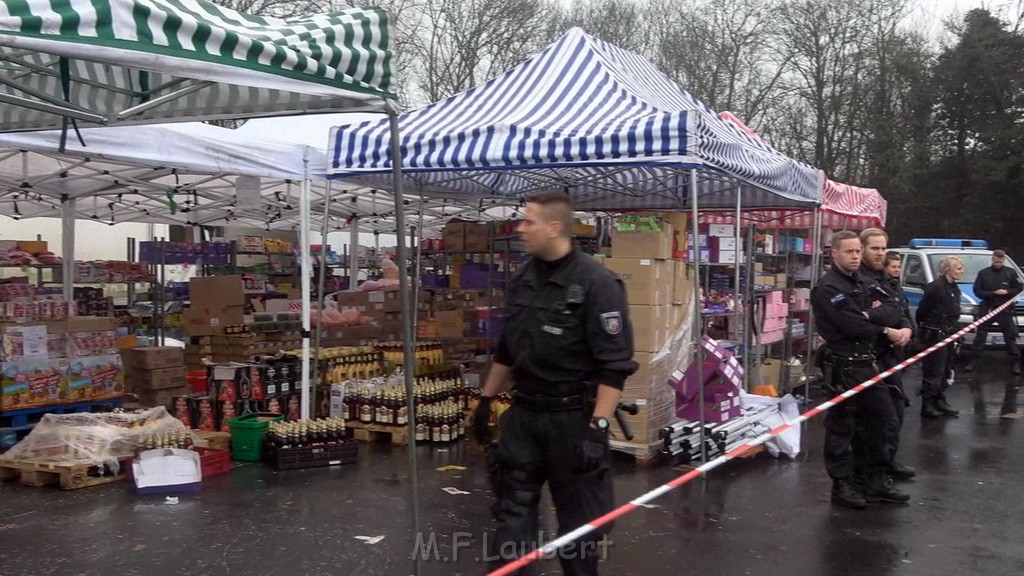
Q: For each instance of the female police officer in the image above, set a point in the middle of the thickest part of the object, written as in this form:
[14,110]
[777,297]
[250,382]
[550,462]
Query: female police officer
[568,346]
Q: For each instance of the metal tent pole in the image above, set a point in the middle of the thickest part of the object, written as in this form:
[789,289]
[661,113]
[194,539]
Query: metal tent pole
[815,269]
[304,285]
[698,355]
[353,254]
[67,248]
[409,365]
[320,289]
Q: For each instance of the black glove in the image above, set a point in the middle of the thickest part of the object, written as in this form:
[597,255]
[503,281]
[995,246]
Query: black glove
[481,419]
[595,445]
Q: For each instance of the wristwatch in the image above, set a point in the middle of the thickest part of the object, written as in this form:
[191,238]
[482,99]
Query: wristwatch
[600,422]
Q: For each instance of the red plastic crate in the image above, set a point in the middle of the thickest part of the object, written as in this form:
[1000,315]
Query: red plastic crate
[213,460]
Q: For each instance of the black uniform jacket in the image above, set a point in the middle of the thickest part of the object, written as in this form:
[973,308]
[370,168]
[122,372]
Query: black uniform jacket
[940,306]
[990,279]
[568,323]
[839,301]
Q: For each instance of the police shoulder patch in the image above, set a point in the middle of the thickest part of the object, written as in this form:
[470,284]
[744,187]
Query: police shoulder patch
[612,322]
[837,299]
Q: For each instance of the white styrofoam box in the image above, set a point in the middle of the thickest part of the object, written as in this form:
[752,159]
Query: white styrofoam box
[721,230]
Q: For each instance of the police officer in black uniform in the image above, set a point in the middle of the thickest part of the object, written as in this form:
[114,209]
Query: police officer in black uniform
[888,308]
[568,347]
[994,286]
[841,302]
[938,316]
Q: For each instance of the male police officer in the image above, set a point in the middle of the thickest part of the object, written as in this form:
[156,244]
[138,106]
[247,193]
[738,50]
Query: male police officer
[994,286]
[568,345]
[887,309]
[841,303]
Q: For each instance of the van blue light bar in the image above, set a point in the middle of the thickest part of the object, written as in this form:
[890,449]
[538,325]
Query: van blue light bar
[946,243]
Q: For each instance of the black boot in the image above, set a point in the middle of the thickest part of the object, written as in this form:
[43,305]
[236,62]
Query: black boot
[928,408]
[971,363]
[1015,366]
[844,494]
[901,471]
[881,489]
[943,407]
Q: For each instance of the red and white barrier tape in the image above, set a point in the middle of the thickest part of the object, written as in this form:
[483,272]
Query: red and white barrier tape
[551,547]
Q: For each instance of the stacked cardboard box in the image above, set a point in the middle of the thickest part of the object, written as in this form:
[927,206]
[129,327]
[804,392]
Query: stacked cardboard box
[155,374]
[59,362]
[721,377]
[216,302]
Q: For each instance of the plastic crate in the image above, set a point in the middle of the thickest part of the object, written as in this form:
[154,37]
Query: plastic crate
[248,433]
[343,452]
[213,461]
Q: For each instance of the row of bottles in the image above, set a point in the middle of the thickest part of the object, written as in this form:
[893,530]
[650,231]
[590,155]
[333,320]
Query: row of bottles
[181,439]
[428,352]
[308,433]
[442,422]
[384,401]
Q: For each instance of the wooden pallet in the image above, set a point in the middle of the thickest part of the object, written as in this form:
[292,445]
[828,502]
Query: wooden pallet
[643,454]
[372,432]
[67,476]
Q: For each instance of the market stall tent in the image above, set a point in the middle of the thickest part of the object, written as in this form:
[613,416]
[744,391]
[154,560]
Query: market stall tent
[842,206]
[582,115]
[189,174]
[602,123]
[110,62]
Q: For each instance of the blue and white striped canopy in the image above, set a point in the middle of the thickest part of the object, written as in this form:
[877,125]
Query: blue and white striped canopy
[582,115]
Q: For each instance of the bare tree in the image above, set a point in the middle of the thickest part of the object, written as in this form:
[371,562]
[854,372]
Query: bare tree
[623,24]
[464,42]
[720,52]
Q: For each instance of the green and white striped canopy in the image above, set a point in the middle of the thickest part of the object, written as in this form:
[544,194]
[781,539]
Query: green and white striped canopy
[107,62]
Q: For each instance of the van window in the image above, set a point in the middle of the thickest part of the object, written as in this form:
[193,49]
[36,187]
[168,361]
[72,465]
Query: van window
[913,271]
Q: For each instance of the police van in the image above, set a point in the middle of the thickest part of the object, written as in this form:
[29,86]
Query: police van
[920,265]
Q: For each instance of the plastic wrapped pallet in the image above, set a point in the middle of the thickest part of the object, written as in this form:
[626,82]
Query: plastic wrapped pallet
[102,439]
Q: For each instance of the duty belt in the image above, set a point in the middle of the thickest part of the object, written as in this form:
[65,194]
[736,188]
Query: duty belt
[549,403]
[851,358]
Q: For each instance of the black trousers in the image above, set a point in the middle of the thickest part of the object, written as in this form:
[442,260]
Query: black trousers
[546,447]
[1007,325]
[865,421]
[935,367]
[894,385]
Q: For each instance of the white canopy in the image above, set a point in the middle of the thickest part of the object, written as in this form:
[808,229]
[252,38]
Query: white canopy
[188,173]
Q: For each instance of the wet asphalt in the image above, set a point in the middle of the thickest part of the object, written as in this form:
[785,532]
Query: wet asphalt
[758,516]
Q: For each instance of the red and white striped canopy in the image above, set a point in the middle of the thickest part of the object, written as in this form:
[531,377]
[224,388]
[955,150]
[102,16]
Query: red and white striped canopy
[843,207]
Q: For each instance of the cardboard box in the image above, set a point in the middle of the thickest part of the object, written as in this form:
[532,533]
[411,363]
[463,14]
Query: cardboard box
[454,236]
[648,281]
[206,321]
[167,470]
[682,283]
[656,245]
[357,300]
[159,379]
[477,237]
[654,412]
[33,246]
[450,323]
[164,397]
[650,376]
[31,383]
[338,408]
[649,327]
[216,292]
[90,324]
[154,357]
